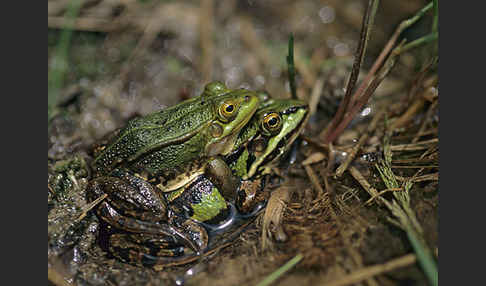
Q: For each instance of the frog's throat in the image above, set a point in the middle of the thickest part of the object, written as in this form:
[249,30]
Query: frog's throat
[225,145]
[292,126]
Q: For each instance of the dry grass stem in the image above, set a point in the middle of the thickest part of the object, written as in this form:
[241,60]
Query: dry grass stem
[314,158]
[406,117]
[423,125]
[363,182]
[386,51]
[352,154]
[83,24]
[368,202]
[314,180]
[370,271]
[345,106]
[316,95]
[206,28]
[90,206]
[428,177]
[415,146]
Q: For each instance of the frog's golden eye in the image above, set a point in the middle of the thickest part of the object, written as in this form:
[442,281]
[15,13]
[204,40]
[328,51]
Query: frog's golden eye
[272,122]
[228,110]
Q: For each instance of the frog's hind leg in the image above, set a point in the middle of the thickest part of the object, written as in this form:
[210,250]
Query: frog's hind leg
[144,250]
[130,196]
[133,225]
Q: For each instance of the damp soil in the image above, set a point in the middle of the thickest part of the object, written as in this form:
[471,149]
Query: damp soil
[130,58]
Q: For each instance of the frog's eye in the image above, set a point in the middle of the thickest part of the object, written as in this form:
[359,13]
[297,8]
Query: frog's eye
[272,122]
[227,110]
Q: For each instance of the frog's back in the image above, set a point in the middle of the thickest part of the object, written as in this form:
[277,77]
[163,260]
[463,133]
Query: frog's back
[172,125]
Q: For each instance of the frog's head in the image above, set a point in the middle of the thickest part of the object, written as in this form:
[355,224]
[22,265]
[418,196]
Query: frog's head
[233,109]
[270,133]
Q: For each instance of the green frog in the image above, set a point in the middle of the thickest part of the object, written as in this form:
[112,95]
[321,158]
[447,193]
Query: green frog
[162,152]
[259,145]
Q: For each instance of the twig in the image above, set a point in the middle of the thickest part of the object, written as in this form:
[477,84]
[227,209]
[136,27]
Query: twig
[370,271]
[390,62]
[428,177]
[315,95]
[206,28]
[386,50]
[90,206]
[83,24]
[344,107]
[423,125]
[415,146]
[314,180]
[363,182]
[340,170]
[409,114]
[381,193]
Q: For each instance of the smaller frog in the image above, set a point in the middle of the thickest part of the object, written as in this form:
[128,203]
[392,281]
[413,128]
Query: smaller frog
[259,145]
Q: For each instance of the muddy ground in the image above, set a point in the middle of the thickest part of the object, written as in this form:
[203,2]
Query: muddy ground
[130,58]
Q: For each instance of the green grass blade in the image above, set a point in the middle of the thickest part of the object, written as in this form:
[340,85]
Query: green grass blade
[279,272]
[291,67]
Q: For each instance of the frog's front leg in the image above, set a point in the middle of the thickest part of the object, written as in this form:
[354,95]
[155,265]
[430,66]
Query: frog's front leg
[135,206]
[219,173]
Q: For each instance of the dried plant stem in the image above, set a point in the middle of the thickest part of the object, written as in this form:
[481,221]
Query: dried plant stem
[344,107]
[423,125]
[363,99]
[340,170]
[90,206]
[370,271]
[206,28]
[428,177]
[381,193]
[363,182]
[316,95]
[415,146]
[408,115]
[386,50]
[83,24]
[314,180]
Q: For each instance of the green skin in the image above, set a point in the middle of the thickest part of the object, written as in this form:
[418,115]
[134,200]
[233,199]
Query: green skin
[168,145]
[162,152]
[256,150]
